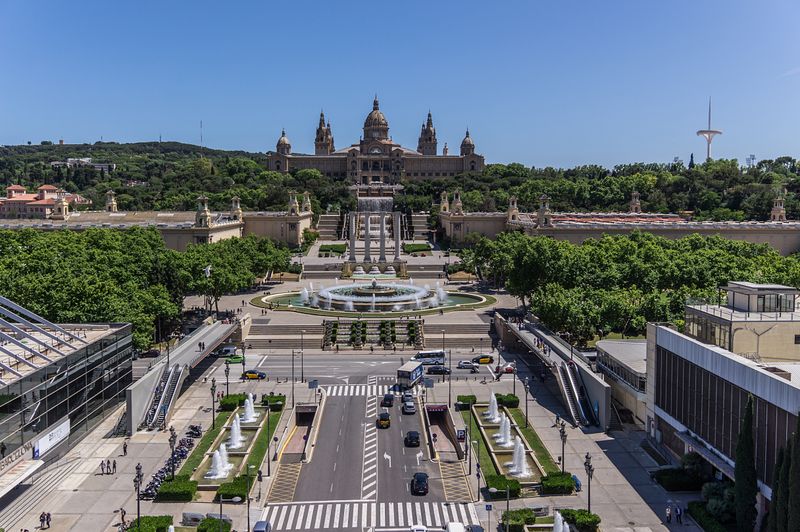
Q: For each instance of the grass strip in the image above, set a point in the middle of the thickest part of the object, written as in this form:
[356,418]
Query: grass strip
[201,448]
[487,466]
[259,449]
[535,442]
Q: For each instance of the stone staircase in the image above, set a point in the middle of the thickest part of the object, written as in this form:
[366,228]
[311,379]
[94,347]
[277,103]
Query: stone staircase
[329,226]
[286,337]
[420,229]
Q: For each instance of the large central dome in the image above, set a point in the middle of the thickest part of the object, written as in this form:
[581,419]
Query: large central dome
[376,126]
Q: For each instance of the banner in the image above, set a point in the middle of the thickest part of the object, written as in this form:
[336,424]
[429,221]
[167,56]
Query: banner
[53,437]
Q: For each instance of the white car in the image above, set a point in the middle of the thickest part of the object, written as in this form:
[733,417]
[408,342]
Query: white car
[466,364]
[409,408]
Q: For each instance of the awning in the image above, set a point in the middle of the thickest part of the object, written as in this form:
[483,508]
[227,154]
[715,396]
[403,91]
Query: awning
[17,473]
[707,454]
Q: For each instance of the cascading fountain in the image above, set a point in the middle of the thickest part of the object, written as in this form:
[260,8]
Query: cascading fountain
[348,306]
[503,436]
[304,297]
[372,307]
[249,411]
[519,463]
[492,415]
[558,522]
[235,439]
[220,466]
[440,292]
[375,297]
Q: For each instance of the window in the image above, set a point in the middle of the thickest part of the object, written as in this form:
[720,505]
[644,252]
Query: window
[797,338]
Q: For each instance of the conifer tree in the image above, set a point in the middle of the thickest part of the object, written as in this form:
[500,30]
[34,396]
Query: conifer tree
[782,502]
[772,520]
[746,486]
[793,502]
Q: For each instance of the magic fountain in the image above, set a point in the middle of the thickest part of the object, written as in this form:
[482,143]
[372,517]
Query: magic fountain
[375,297]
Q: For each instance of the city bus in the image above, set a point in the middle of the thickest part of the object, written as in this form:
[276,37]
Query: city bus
[434,356]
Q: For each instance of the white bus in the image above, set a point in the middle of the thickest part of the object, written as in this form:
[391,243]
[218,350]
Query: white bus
[434,356]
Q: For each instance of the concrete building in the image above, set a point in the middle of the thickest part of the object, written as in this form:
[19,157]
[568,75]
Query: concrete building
[576,227]
[697,390]
[181,228]
[376,158]
[624,364]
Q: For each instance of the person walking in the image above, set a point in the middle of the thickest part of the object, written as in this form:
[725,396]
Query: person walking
[125,448]
[678,514]
[122,514]
[41,520]
[114,467]
[47,519]
[102,467]
[108,466]
[669,514]
[558,419]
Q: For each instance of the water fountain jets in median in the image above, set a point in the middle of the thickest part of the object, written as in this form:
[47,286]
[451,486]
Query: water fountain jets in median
[249,411]
[503,436]
[220,466]
[171,528]
[518,467]
[492,415]
[558,522]
[235,439]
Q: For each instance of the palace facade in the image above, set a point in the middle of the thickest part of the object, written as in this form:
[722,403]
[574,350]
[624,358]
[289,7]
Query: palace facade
[376,158]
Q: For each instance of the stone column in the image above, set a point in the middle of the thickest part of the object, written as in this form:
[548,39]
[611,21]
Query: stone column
[396,227]
[353,224]
[367,258]
[382,257]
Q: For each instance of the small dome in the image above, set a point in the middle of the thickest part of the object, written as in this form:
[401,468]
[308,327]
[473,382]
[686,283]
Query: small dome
[283,141]
[375,118]
[467,140]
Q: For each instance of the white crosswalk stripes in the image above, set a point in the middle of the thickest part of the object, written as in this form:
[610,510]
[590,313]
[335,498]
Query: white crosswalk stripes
[360,390]
[358,515]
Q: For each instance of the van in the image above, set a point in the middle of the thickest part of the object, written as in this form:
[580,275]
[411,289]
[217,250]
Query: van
[226,351]
[455,527]
[191,518]
[262,526]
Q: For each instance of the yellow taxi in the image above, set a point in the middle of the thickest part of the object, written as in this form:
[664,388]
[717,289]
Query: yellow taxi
[483,359]
[383,420]
[252,374]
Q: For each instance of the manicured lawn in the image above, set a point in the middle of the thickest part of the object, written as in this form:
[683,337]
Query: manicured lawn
[536,444]
[487,466]
[261,445]
[202,446]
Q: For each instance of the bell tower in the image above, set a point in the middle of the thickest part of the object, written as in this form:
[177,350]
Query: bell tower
[323,142]
[778,213]
[111,201]
[427,138]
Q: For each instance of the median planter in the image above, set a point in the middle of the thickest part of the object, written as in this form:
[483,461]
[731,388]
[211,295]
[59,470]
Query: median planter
[558,484]
[517,519]
[179,490]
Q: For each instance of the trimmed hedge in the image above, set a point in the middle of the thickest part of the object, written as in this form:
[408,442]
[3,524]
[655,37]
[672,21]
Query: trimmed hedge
[236,488]
[209,524]
[509,400]
[502,483]
[467,399]
[581,519]
[179,490]
[677,479]
[416,248]
[333,248]
[151,523]
[275,402]
[697,509]
[558,483]
[517,519]
[231,402]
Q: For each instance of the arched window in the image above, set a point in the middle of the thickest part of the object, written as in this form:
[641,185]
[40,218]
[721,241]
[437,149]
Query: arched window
[472,165]
[278,166]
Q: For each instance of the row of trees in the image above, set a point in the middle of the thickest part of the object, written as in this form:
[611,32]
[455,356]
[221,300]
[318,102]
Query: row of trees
[619,283]
[170,175]
[108,275]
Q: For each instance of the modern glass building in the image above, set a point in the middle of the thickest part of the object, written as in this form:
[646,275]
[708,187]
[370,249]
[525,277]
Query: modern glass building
[48,373]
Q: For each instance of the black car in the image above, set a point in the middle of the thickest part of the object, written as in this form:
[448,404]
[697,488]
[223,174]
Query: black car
[419,484]
[151,353]
[412,438]
[388,400]
[438,370]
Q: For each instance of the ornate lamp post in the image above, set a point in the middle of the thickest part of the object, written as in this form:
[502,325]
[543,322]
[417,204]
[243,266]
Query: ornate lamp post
[227,374]
[527,384]
[137,483]
[508,502]
[587,465]
[249,468]
[173,437]
[213,402]
[563,444]
[302,356]
[243,361]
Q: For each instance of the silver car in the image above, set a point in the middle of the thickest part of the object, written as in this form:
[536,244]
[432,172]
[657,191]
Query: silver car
[409,408]
[466,364]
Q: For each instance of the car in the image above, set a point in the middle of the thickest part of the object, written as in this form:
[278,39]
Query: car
[383,420]
[388,400]
[409,407]
[438,370]
[253,374]
[467,364]
[262,526]
[419,484]
[408,396]
[483,359]
[234,359]
[151,353]
[412,438]
[507,368]
[225,351]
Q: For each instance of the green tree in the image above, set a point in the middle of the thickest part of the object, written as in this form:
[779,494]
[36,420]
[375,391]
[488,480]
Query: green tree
[793,500]
[772,520]
[746,480]
[782,490]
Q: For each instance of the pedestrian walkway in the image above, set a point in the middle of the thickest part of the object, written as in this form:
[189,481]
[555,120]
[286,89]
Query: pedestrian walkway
[354,515]
[285,482]
[365,390]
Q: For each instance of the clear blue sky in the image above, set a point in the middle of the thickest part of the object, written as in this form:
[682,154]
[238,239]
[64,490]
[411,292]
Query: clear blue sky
[538,82]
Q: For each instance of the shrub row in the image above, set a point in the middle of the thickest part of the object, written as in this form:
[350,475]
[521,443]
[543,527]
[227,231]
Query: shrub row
[231,402]
[467,399]
[582,519]
[501,483]
[275,402]
[509,400]
[235,488]
[151,523]
[677,479]
[416,248]
[209,524]
[517,519]
[333,248]
[558,483]
[697,509]
[179,490]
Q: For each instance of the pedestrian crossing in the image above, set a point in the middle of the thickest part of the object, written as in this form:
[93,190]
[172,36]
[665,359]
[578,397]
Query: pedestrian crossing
[333,515]
[363,390]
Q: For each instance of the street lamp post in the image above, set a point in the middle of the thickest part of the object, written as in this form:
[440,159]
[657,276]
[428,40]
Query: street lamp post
[302,355]
[244,368]
[527,384]
[249,468]
[137,482]
[508,503]
[213,402]
[227,375]
[563,444]
[292,378]
[587,465]
[569,341]
[173,437]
